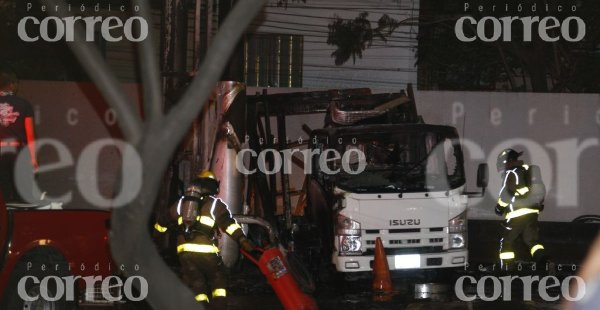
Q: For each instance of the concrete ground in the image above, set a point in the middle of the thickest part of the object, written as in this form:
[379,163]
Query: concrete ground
[250,290]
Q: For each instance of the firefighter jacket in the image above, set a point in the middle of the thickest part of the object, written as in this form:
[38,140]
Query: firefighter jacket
[198,237]
[514,198]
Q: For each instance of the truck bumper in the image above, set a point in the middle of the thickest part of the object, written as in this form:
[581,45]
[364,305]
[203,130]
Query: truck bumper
[447,259]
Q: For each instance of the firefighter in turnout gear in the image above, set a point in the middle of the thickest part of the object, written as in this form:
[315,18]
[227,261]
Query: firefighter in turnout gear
[196,218]
[520,201]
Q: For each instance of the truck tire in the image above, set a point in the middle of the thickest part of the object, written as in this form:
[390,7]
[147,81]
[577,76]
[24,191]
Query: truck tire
[35,260]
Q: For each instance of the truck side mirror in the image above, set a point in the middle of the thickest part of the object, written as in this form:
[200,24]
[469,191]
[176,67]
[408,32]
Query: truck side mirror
[482,176]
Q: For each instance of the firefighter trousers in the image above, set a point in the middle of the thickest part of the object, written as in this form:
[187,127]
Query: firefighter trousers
[525,228]
[204,274]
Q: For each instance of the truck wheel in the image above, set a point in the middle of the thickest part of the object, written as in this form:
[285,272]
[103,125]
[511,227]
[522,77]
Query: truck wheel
[13,300]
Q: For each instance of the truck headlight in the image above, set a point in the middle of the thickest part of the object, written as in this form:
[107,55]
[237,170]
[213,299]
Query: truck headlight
[457,231]
[458,224]
[457,241]
[348,232]
[350,245]
[347,226]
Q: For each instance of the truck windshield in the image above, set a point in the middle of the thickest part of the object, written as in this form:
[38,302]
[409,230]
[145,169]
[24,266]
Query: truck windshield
[411,161]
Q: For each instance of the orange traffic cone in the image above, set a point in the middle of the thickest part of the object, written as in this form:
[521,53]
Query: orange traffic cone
[382,282]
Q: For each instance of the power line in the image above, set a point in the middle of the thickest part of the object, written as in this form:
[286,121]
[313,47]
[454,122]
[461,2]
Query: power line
[323,35]
[311,25]
[321,55]
[374,45]
[320,31]
[321,78]
[360,68]
[322,26]
[331,69]
[347,8]
[309,16]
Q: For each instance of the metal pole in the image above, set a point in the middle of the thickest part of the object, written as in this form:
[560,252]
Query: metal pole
[209,21]
[174,44]
[269,144]
[197,34]
[285,178]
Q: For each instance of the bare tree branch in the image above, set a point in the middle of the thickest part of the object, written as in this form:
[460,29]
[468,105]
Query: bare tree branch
[203,83]
[130,240]
[149,68]
[87,54]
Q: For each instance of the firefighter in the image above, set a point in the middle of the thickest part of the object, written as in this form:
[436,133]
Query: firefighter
[196,218]
[520,203]
[16,133]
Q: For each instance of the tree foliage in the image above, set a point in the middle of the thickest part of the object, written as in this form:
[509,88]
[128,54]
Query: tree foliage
[352,36]
[446,63]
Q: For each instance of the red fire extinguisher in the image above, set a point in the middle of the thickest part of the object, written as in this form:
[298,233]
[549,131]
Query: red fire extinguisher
[273,265]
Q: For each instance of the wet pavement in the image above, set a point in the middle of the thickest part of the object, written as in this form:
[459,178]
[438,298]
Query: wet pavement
[250,290]
[357,294]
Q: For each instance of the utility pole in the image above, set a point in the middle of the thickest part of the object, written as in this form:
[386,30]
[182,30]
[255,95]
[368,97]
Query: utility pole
[173,47]
[235,68]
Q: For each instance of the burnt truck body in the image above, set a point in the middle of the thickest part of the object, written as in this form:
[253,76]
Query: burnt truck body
[404,182]
[410,194]
[410,190]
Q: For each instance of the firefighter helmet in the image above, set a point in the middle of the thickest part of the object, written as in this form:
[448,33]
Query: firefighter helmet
[506,156]
[207,174]
[208,181]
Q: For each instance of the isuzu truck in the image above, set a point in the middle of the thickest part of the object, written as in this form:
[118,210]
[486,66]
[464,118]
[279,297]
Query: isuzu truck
[403,182]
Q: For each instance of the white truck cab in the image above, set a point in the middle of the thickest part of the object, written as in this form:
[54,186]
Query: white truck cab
[407,188]
[418,230]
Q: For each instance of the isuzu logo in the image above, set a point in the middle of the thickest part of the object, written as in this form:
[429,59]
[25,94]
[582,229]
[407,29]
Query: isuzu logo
[405,222]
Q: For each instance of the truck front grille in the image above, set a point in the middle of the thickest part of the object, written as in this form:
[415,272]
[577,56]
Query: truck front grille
[403,238]
[402,231]
[408,250]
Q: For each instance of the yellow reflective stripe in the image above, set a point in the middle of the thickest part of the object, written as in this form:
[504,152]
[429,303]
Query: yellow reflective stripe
[232,228]
[159,228]
[521,212]
[219,292]
[535,248]
[180,220]
[507,255]
[202,297]
[207,221]
[526,167]
[197,248]
[502,203]
[523,190]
